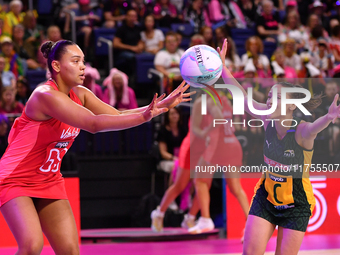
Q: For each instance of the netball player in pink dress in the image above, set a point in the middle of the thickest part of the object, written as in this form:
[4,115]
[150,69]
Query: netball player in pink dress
[223,149]
[191,149]
[33,199]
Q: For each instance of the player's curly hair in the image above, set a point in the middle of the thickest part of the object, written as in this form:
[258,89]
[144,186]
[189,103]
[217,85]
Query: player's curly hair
[54,51]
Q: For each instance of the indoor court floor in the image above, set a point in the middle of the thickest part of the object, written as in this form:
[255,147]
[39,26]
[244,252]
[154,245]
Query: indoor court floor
[312,245]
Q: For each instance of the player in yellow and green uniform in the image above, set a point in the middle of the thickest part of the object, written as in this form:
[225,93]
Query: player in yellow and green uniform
[283,196]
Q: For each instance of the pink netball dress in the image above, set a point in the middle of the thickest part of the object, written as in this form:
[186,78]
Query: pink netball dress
[31,164]
[223,147]
[192,147]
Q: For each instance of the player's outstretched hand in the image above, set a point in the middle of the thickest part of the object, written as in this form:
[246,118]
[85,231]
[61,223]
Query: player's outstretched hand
[334,109]
[223,51]
[153,110]
[176,97]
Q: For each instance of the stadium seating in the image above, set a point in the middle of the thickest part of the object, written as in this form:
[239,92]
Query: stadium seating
[186,30]
[34,77]
[144,62]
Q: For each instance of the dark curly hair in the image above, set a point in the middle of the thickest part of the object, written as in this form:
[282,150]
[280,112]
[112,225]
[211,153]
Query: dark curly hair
[54,51]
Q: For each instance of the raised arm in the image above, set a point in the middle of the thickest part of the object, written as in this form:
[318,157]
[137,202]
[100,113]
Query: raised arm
[309,131]
[228,78]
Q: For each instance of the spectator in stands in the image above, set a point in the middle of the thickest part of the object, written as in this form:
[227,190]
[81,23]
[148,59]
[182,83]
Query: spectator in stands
[54,35]
[314,21]
[91,75]
[278,72]
[7,77]
[34,34]
[335,43]
[220,35]
[331,90]
[268,22]
[87,19]
[318,8]
[291,5]
[170,137]
[117,92]
[115,12]
[226,11]
[141,10]
[332,24]
[62,9]
[293,29]
[196,15]
[232,60]
[315,35]
[179,4]
[208,36]
[196,39]
[153,38]
[249,10]
[167,61]
[323,58]
[4,129]
[127,43]
[254,47]
[4,8]
[316,85]
[250,80]
[13,62]
[291,58]
[13,17]
[280,59]
[8,104]
[179,37]
[165,13]
[23,90]
[25,49]
[67,5]
[278,4]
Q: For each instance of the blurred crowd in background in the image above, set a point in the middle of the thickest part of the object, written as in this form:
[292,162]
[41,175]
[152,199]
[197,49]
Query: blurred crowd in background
[292,40]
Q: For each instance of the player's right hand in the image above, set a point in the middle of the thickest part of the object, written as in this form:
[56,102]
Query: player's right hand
[223,51]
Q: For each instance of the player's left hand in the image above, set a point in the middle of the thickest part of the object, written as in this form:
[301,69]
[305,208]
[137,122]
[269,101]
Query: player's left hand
[334,109]
[176,97]
[153,110]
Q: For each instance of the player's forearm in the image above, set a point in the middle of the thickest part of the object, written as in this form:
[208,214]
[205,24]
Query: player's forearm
[105,122]
[228,78]
[136,110]
[318,125]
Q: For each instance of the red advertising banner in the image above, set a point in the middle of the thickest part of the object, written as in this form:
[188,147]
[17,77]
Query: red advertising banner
[325,218]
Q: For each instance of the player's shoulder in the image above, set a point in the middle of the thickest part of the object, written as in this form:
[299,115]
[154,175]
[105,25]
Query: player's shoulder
[43,89]
[80,89]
